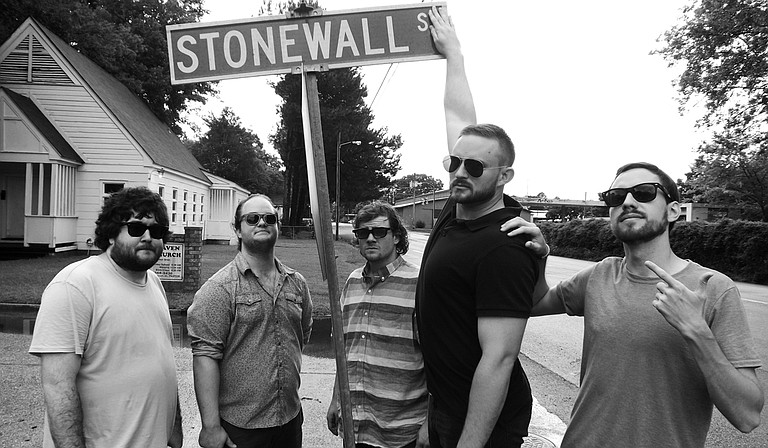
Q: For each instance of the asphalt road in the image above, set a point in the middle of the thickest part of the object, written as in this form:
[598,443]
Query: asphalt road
[551,352]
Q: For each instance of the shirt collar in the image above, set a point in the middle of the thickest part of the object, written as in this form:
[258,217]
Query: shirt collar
[382,274]
[511,209]
[242,265]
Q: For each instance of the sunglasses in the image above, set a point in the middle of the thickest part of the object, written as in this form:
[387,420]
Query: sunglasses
[137,229]
[252,219]
[475,168]
[645,192]
[378,232]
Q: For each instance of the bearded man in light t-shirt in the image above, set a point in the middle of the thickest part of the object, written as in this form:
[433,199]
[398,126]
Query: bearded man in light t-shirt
[104,337]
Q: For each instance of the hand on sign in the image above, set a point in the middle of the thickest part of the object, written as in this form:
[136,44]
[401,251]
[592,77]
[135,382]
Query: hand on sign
[443,32]
[681,307]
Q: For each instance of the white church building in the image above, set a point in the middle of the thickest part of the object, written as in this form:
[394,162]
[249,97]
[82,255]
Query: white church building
[70,134]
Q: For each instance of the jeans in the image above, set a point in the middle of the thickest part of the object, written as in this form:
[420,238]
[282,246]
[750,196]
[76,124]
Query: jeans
[286,436]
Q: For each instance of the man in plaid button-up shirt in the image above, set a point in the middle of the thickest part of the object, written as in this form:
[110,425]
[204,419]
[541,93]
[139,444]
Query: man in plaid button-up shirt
[387,383]
[248,325]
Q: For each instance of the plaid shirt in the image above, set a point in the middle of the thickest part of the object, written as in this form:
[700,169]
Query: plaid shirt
[257,339]
[386,371]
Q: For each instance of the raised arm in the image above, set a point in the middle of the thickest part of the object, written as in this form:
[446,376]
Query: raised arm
[62,400]
[458,103]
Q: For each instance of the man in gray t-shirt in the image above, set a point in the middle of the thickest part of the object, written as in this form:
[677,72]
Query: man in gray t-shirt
[665,339]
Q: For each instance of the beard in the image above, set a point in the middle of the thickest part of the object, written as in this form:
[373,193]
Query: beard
[129,259]
[471,195]
[643,234]
[260,242]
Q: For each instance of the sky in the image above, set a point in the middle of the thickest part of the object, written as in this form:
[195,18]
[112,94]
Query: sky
[572,83]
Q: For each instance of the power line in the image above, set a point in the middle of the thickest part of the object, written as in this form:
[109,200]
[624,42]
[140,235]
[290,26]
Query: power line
[387,79]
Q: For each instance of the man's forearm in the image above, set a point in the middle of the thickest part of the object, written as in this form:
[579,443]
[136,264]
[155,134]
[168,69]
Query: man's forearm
[206,374]
[486,399]
[735,392]
[65,415]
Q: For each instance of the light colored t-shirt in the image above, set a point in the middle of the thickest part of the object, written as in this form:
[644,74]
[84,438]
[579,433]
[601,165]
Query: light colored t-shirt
[640,385]
[122,330]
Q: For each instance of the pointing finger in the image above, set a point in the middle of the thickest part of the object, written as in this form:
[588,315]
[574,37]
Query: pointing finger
[661,273]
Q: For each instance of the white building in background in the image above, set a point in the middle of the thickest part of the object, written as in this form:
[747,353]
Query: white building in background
[224,199]
[70,134]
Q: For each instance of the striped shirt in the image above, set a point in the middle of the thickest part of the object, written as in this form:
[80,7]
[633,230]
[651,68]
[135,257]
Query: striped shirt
[386,371]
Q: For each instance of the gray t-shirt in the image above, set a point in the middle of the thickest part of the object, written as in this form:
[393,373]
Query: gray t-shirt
[640,385]
[122,330]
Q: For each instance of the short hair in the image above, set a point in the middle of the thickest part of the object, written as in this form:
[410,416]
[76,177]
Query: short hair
[673,193]
[493,132]
[121,206]
[375,209]
[237,222]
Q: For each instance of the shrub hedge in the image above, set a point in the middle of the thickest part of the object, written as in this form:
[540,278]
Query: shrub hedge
[738,249]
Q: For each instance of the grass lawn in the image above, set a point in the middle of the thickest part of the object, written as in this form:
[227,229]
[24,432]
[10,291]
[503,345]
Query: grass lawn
[23,281]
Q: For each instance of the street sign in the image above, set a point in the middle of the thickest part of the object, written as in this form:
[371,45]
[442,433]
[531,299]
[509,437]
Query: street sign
[271,45]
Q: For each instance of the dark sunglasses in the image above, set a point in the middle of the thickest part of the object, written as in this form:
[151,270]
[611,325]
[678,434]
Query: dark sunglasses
[252,219]
[645,192]
[137,229]
[378,232]
[475,168]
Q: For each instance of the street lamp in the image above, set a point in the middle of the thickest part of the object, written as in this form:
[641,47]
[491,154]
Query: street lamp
[413,184]
[339,144]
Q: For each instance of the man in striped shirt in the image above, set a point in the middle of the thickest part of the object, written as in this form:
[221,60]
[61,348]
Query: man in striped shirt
[386,372]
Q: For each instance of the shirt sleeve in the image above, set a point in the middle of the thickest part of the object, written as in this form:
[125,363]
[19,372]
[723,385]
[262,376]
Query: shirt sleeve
[63,321]
[209,319]
[505,280]
[728,322]
[306,311]
[571,292]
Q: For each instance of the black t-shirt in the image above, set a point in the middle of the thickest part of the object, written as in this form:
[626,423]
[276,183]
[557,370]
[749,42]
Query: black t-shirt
[470,269]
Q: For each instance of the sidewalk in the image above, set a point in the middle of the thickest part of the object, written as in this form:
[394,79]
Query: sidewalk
[21,401]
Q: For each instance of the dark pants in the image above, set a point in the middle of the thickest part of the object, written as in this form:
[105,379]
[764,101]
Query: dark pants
[445,430]
[286,436]
[365,445]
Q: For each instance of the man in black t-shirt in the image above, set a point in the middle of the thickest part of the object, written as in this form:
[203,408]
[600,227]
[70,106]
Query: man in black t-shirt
[475,288]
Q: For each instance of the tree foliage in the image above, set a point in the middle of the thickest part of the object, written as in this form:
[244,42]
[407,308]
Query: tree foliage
[731,170]
[424,184]
[366,169]
[235,153]
[722,47]
[125,37]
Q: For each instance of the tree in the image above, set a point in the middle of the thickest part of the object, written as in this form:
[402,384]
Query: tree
[126,38]
[722,46]
[565,213]
[366,169]
[731,170]
[424,184]
[235,153]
